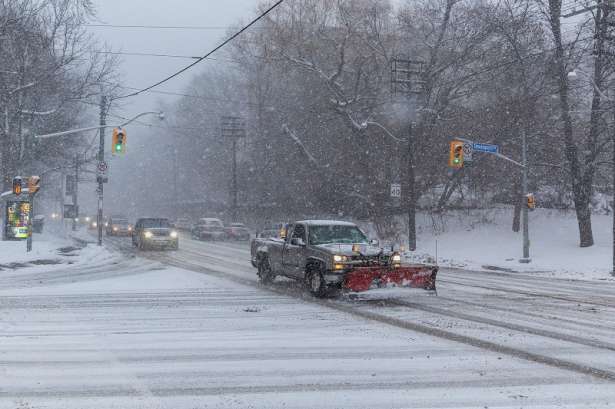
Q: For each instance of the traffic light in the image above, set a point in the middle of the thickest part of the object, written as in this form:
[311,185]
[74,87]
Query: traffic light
[531,202]
[455,159]
[34,184]
[16,185]
[118,145]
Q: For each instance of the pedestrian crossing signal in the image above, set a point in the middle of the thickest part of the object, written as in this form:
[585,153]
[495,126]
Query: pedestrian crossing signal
[17,186]
[455,159]
[531,201]
[34,184]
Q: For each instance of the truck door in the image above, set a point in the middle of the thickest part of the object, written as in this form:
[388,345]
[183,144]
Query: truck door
[294,248]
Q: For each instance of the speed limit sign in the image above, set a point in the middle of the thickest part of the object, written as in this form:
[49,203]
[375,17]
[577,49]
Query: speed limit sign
[395,190]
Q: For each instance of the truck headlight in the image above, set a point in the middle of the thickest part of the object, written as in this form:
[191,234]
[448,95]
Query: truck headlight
[148,234]
[338,258]
[114,228]
[173,234]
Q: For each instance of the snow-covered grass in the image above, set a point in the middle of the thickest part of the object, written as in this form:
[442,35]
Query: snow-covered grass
[44,247]
[53,249]
[483,239]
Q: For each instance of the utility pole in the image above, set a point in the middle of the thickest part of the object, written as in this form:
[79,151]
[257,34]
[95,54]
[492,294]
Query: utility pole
[406,79]
[75,197]
[526,230]
[101,159]
[233,127]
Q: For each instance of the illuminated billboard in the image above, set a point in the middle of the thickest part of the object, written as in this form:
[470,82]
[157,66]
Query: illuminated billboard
[17,218]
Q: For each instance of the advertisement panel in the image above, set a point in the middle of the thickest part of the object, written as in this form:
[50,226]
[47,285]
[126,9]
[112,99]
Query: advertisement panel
[17,219]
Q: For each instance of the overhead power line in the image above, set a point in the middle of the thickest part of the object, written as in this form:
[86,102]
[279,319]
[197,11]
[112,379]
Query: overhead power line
[159,27]
[150,55]
[163,55]
[225,42]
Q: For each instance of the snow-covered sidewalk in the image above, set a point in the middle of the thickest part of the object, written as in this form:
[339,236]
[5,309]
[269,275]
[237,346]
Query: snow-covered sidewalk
[483,240]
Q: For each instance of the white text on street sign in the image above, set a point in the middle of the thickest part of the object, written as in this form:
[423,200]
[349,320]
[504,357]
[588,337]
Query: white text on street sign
[485,147]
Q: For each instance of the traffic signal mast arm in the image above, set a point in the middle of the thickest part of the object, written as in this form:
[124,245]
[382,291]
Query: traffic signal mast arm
[498,154]
[97,127]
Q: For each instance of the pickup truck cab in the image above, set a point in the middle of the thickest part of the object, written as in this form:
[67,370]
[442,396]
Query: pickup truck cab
[328,255]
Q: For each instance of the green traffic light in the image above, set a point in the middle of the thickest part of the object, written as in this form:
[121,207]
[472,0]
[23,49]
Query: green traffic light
[456,160]
[118,147]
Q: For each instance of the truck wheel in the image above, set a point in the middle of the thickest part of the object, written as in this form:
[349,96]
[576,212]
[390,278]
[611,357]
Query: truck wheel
[316,283]
[265,274]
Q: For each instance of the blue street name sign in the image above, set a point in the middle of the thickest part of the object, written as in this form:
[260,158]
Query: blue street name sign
[485,147]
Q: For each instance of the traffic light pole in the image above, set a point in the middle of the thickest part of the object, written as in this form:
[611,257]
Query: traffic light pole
[526,230]
[411,202]
[75,197]
[101,158]
[524,168]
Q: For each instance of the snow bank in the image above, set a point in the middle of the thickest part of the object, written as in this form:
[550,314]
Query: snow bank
[483,239]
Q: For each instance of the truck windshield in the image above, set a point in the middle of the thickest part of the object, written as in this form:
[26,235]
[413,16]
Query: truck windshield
[336,234]
[156,223]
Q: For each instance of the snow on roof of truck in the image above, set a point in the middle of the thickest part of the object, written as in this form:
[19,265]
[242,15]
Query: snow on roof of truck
[326,223]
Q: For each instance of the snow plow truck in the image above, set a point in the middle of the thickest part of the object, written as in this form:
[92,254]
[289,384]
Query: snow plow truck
[332,255]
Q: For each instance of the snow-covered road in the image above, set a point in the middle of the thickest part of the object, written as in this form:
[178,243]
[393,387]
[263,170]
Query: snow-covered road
[193,329]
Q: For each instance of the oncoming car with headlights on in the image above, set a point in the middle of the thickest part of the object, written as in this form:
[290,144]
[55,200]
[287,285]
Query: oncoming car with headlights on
[118,226]
[335,255]
[154,233]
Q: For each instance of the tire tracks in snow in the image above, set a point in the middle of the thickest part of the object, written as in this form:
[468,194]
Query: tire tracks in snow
[602,374]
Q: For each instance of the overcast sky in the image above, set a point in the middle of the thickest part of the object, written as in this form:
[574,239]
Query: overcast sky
[138,71]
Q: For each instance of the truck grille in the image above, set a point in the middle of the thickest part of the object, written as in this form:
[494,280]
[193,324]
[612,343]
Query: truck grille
[368,260]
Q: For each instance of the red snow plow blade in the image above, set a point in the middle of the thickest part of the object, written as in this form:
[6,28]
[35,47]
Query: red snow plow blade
[366,278]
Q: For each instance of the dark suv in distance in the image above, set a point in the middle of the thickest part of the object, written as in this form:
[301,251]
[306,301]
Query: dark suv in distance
[209,228]
[154,232]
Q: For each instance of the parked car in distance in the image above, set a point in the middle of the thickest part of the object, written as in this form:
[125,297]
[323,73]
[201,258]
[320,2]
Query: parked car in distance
[238,231]
[183,224]
[118,226]
[209,228]
[153,232]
